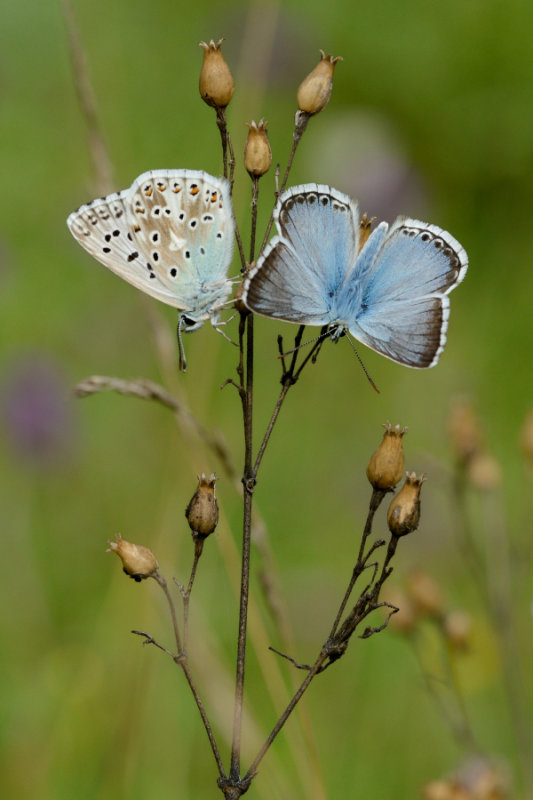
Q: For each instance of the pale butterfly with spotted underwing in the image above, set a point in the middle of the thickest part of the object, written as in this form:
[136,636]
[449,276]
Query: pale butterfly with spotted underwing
[391,294]
[170,235]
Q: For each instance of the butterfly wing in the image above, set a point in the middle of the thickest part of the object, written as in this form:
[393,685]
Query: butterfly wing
[170,234]
[302,267]
[405,307]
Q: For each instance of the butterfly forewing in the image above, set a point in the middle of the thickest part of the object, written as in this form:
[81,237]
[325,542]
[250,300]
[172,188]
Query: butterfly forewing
[296,277]
[170,234]
[415,260]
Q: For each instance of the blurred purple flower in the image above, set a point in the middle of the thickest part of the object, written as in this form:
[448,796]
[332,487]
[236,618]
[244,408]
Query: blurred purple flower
[34,408]
[360,155]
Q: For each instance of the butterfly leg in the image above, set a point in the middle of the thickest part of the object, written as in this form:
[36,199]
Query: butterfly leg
[225,335]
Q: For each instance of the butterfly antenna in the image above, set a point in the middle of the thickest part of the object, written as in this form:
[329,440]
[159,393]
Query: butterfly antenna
[304,344]
[373,385]
[181,351]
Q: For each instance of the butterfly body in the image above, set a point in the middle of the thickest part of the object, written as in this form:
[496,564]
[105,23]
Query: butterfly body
[390,294]
[170,235]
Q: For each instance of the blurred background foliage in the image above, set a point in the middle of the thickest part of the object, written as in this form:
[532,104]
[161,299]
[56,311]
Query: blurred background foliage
[431,116]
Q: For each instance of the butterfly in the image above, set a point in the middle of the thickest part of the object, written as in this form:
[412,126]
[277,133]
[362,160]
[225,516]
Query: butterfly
[170,235]
[391,293]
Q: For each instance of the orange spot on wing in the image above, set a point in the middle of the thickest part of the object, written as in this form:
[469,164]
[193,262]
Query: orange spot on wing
[214,197]
[177,189]
[148,192]
[161,187]
[194,190]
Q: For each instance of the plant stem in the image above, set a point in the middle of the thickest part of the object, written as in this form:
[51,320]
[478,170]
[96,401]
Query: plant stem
[300,124]
[224,136]
[163,584]
[255,194]
[187,593]
[324,654]
[181,659]
[248,481]
[375,501]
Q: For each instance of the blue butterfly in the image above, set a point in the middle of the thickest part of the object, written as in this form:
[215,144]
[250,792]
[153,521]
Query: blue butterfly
[391,294]
[170,235]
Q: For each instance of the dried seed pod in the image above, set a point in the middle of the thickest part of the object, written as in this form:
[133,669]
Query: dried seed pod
[202,511]
[387,464]
[438,790]
[137,561]
[365,229]
[484,472]
[425,593]
[458,629]
[403,515]
[216,81]
[465,430]
[405,619]
[526,437]
[257,152]
[315,90]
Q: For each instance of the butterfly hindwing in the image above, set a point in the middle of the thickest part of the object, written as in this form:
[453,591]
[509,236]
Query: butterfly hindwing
[404,309]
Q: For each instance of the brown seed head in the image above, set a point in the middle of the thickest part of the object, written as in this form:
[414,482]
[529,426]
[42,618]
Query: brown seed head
[137,561]
[458,629]
[403,515]
[216,81]
[465,430]
[526,437]
[386,466]
[202,511]
[484,472]
[425,593]
[365,229]
[405,619]
[257,152]
[315,90]
[438,790]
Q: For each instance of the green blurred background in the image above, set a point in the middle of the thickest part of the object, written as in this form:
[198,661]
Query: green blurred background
[431,116]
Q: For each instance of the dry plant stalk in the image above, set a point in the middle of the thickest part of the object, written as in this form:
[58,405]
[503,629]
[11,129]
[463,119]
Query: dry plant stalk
[373,560]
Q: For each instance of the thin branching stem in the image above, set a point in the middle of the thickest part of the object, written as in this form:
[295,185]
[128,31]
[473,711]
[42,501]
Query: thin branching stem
[186,593]
[101,162]
[300,124]
[286,386]
[223,128]
[181,659]
[255,195]
[360,564]
[163,584]
[324,654]
[207,725]
[248,481]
